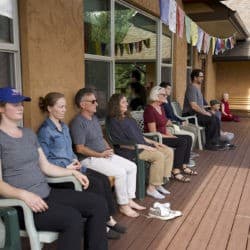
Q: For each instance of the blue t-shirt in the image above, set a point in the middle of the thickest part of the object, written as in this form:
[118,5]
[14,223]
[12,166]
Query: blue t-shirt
[56,144]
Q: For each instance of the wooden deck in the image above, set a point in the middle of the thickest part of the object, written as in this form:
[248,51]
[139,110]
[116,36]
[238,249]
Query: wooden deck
[215,205]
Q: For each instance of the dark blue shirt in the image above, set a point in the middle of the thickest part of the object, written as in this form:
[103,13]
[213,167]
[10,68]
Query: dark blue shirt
[126,131]
[56,144]
[169,112]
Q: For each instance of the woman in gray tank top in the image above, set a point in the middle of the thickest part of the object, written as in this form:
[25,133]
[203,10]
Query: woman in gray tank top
[24,167]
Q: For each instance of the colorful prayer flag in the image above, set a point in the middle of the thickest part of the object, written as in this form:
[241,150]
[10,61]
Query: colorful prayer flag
[180,21]
[172,15]
[194,33]
[200,39]
[188,29]
[164,11]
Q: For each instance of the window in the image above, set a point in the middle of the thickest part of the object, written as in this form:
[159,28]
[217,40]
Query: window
[99,84]
[9,45]
[7,69]
[118,39]
[135,46]
[97,33]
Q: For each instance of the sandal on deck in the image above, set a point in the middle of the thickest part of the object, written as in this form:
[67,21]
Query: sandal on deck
[180,177]
[189,171]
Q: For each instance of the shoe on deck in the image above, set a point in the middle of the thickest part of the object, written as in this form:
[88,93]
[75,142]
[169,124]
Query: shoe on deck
[163,213]
[162,190]
[113,235]
[155,194]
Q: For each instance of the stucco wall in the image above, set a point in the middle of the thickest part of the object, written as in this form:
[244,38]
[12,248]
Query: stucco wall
[211,79]
[234,78]
[52,54]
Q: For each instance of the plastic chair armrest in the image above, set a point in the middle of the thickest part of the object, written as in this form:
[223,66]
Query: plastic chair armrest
[154,134]
[28,216]
[70,178]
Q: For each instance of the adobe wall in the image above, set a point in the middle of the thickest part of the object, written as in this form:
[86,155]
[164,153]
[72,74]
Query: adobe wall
[234,78]
[52,54]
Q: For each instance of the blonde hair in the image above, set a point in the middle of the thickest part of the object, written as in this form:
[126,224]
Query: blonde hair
[153,95]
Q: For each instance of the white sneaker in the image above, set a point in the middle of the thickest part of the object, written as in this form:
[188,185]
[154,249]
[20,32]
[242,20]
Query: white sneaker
[163,213]
[155,194]
[165,205]
[162,190]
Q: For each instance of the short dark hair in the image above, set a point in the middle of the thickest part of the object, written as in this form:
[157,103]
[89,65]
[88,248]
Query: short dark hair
[195,73]
[136,74]
[81,93]
[165,84]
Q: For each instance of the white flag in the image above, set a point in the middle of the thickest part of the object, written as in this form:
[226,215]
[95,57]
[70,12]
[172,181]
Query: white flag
[172,15]
[6,8]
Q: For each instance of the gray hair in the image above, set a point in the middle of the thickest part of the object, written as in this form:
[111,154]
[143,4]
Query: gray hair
[153,95]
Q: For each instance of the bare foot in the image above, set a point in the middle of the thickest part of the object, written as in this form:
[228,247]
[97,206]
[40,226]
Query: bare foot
[128,211]
[136,206]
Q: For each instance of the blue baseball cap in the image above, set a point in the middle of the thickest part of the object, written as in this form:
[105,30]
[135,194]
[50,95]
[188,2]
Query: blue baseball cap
[11,95]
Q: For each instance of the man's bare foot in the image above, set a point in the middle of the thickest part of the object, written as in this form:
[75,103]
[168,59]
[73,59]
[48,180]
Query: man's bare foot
[136,206]
[128,211]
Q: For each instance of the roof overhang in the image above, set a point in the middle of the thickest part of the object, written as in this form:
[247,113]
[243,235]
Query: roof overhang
[215,18]
[241,52]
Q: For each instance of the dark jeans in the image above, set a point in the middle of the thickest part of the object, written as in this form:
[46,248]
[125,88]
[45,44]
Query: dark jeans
[212,128]
[64,215]
[182,145]
[99,184]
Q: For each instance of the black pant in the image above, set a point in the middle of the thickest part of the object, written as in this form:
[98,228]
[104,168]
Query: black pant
[99,184]
[182,145]
[64,215]
[212,128]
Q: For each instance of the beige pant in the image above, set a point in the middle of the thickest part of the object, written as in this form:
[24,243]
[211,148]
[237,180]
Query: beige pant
[161,164]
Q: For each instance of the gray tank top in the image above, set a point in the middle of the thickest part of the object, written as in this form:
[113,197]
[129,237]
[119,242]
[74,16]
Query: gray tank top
[20,163]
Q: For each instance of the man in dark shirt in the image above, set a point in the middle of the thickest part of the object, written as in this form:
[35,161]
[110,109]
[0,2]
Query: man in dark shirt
[193,104]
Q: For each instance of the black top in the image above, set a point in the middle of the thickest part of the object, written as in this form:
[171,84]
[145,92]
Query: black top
[126,131]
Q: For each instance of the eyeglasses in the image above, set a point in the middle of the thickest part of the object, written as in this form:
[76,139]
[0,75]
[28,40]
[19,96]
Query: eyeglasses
[201,76]
[91,101]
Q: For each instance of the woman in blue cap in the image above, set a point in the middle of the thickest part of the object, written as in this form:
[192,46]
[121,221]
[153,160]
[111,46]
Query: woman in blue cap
[24,167]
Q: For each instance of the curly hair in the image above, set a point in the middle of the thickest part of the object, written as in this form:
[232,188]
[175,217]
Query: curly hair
[114,107]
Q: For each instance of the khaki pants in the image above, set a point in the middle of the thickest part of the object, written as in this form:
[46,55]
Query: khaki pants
[161,164]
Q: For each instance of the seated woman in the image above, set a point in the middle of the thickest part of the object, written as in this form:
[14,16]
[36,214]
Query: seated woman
[24,167]
[124,128]
[54,138]
[226,115]
[155,121]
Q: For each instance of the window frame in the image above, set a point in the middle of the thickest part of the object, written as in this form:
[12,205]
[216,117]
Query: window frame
[14,48]
[112,59]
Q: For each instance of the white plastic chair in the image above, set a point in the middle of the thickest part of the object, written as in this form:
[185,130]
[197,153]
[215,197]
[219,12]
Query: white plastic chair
[37,238]
[138,116]
[178,112]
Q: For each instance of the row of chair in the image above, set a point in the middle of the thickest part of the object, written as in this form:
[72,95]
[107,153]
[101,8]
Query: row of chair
[38,238]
